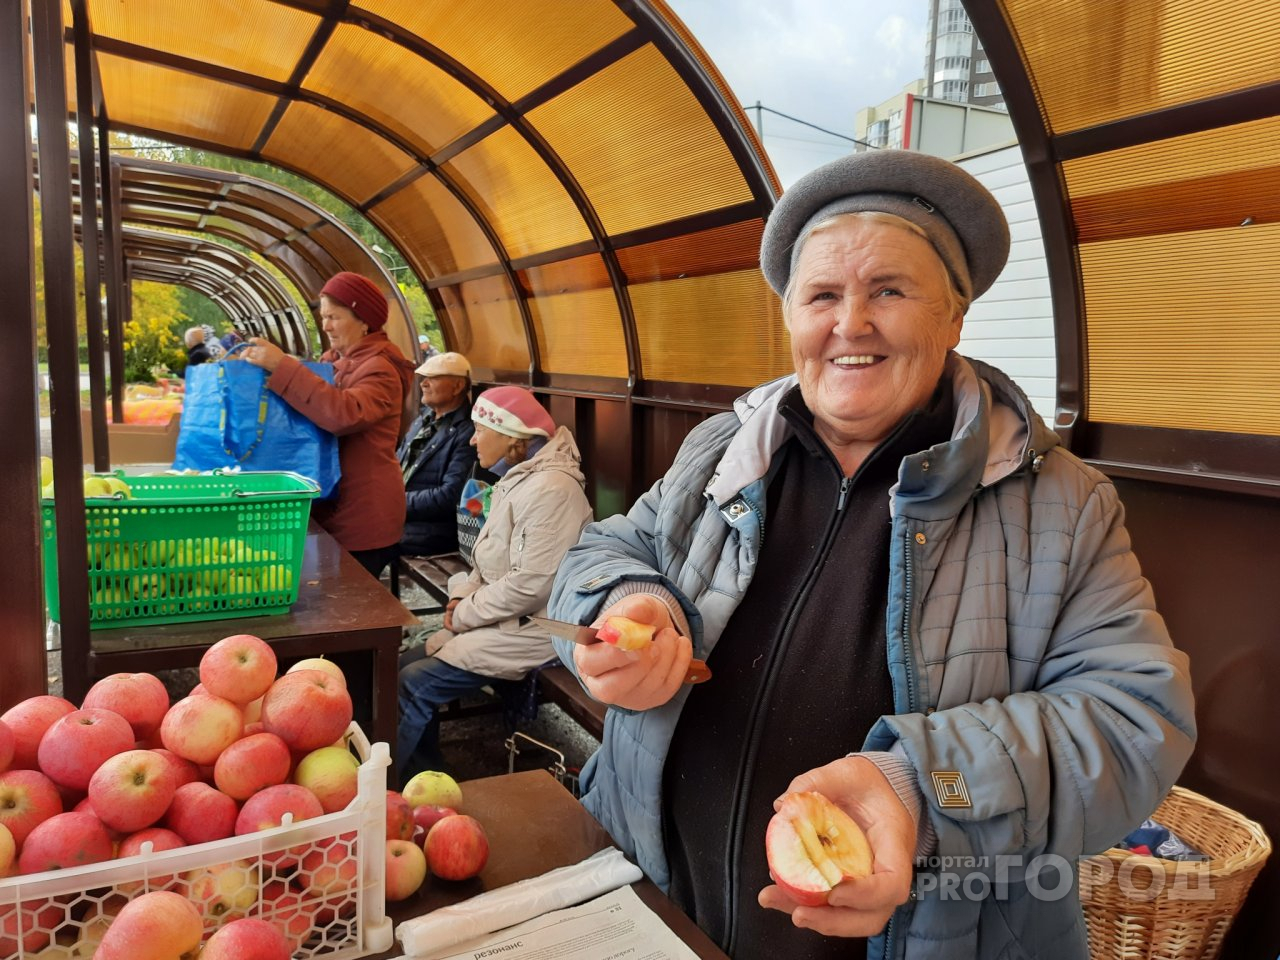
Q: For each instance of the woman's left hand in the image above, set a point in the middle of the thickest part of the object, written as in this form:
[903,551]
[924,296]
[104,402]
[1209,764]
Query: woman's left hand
[858,907]
[263,353]
[448,614]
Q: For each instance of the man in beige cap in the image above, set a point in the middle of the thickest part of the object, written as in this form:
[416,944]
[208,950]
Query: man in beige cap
[436,456]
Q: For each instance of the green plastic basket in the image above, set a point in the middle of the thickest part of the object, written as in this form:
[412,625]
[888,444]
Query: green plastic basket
[187,548]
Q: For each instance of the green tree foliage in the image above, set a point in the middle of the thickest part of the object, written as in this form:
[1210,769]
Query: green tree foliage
[153,344]
[199,310]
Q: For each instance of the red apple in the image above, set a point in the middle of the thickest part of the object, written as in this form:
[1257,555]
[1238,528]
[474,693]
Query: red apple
[399,817]
[406,869]
[457,848]
[239,668]
[308,709]
[329,869]
[289,910]
[256,726]
[66,840]
[86,806]
[247,939]
[433,787]
[266,808]
[320,663]
[27,798]
[200,813]
[138,697]
[222,891]
[28,721]
[201,727]
[77,744]
[131,846]
[252,764]
[812,845]
[253,711]
[428,815]
[155,926]
[132,790]
[184,771]
[28,925]
[332,774]
[626,634]
[7,743]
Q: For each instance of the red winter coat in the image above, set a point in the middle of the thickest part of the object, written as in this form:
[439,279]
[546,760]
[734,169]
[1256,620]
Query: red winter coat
[363,409]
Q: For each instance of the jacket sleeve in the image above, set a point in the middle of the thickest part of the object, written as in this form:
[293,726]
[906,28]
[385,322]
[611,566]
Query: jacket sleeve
[370,397]
[440,500]
[549,523]
[1069,767]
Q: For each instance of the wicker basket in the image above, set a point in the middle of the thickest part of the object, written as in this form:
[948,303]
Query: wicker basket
[1146,908]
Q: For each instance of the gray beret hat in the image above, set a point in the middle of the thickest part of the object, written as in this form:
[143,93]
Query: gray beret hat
[958,214]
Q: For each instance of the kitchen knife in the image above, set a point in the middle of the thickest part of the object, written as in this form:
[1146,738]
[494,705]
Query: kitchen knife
[699,672]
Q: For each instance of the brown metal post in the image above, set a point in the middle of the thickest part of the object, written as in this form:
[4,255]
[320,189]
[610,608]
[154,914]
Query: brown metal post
[89,235]
[60,321]
[112,273]
[21,595]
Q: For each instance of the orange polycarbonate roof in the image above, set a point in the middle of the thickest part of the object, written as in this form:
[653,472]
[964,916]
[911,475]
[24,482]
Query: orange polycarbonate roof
[490,143]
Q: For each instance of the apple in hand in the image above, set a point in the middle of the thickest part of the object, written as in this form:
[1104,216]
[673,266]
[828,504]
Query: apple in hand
[27,798]
[626,634]
[155,926]
[457,848]
[332,774]
[201,727]
[254,763]
[239,668]
[433,787]
[77,744]
[812,845]
[428,815]
[132,790]
[406,869]
[66,840]
[200,813]
[138,697]
[28,721]
[308,709]
[247,939]
[399,817]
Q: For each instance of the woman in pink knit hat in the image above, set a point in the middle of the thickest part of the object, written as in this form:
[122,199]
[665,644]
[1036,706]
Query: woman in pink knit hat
[536,511]
[362,407]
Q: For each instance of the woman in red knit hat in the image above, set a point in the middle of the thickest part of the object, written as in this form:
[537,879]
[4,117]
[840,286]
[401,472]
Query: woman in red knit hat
[362,407]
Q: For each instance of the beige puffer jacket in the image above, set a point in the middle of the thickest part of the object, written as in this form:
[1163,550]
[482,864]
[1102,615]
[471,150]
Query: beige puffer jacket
[536,514]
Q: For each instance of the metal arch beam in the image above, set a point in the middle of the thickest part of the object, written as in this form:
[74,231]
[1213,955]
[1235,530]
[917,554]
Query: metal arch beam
[1056,225]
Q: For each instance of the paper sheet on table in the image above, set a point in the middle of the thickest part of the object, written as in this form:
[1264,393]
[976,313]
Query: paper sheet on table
[517,902]
[615,925]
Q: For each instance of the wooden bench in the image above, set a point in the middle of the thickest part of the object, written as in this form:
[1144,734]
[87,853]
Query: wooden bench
[559,686]
[431,574]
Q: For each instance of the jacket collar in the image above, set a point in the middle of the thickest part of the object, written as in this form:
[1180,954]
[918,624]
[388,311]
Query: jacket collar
[995,432]
[559,453]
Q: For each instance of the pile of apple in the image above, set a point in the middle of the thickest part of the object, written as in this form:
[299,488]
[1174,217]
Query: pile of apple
[453,846]
[95,484]
[245,752]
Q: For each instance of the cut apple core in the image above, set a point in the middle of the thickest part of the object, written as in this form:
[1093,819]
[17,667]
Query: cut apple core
[812,845]
[626,634]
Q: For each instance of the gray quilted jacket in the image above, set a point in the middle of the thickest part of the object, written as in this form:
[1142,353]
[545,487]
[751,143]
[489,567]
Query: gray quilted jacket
[1029,666]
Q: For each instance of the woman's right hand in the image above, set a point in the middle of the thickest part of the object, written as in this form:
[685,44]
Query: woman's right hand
[636,680]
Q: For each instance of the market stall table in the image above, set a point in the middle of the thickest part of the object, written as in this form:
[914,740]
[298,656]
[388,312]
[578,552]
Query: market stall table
[534,825]
[340,609]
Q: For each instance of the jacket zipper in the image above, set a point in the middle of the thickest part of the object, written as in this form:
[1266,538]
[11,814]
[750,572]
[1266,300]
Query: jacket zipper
[911,690]
[739,814]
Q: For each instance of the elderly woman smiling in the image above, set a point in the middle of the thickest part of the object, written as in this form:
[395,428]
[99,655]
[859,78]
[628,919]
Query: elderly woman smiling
[912,598]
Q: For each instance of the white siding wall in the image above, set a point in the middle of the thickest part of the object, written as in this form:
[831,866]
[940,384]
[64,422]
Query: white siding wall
[1011,325]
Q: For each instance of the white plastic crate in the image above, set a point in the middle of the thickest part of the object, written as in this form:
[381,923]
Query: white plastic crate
[333,911]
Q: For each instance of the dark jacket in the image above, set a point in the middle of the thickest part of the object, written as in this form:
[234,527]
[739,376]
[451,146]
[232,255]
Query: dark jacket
[362,408]
[198,354]
[433,481]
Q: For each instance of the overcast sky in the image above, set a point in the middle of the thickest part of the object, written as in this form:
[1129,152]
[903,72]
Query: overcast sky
[818,60]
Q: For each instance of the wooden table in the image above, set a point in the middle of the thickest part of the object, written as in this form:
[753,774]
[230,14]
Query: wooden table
[340,609]
[534,825]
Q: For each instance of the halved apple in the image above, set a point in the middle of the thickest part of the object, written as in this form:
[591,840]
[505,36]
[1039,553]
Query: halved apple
[812,845]
[626,634]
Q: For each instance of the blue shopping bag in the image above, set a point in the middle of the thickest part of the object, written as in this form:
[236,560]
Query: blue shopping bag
[231,418]
[473,509]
